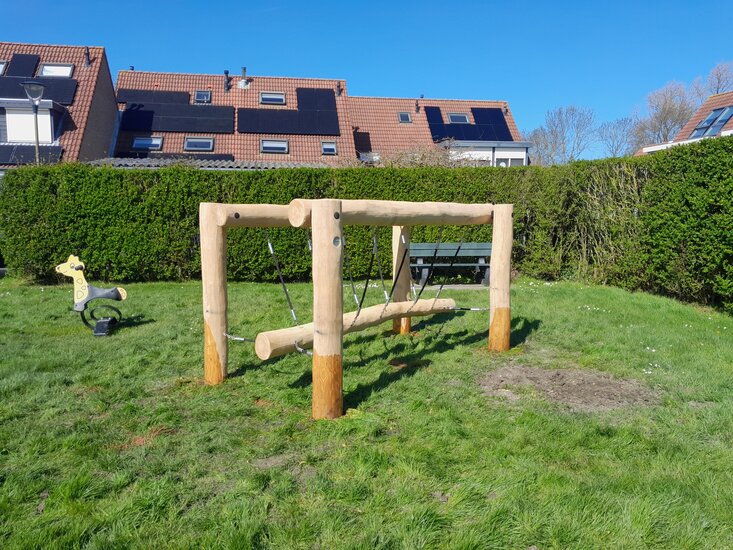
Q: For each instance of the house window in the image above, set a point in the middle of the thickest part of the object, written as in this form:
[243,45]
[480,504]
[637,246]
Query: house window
[63,70]
[404,117]
[20,126]
[328,147]
[147,143]
[458,118]
[272,98]
[713,122]
[2,67]
[279,146]
[202,96]
[198,144]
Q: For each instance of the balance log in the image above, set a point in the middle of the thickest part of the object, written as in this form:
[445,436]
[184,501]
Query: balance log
[275,343]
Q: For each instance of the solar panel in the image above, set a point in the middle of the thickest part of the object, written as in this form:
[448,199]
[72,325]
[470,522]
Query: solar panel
[26,154]
[22,64]
[433,115]
[125,95]
[176,117]
[60,90]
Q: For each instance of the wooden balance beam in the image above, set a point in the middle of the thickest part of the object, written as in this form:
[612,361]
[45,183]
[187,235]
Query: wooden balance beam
[275,343]
[396,213]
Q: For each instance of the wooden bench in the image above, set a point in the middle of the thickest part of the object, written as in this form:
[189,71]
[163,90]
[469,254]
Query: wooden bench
[423,254]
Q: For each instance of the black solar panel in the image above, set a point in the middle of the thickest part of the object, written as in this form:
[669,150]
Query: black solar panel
[125,95]
[177,117]
[490,126]
[26,154]
[22,64]
[433,115]
[362,142]
[60,90]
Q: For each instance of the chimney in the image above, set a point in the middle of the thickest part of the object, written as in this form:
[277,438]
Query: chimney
[244,73]
[87,59]
[339,89]
[227,81]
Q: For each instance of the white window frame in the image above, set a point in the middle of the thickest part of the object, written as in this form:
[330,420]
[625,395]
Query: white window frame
[69,66]
[201,102]
[451,121]
[152,147]
[3,66]
[285,151]
[274,96]
[409,117]
[198,138]
[323,148]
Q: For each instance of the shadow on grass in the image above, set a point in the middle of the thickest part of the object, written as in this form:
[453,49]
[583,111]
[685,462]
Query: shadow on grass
[521,329]
[134,321]
[362,392]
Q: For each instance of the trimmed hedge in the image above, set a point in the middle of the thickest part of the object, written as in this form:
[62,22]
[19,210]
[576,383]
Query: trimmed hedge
[662,223]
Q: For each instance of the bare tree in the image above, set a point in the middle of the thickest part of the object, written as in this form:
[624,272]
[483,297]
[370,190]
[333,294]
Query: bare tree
[617,137]
[669,108]
[719,80]
[566,134]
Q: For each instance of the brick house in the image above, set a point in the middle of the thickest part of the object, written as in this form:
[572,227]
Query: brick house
[714,118]
[267,121]
[76,115]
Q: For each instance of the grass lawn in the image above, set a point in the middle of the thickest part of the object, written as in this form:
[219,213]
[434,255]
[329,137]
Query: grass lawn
[115,442]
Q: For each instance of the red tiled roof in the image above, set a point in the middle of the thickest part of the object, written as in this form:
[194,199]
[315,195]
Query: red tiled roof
[713,102]
[378,116]
[303,148]
[86,78]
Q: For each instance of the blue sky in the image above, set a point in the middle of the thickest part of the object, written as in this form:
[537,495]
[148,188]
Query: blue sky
[537,55]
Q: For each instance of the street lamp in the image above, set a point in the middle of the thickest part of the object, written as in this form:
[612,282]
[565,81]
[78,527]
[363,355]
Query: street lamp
[34,91]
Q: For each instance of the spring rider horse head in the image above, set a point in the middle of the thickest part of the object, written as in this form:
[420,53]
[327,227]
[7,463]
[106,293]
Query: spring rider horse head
[85,293]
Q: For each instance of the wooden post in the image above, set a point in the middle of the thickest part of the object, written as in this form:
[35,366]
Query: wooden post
[327,309]
[401,255]
[500,315]
[213,279]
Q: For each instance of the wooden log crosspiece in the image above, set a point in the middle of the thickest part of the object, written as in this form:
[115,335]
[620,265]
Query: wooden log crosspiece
[380,213]
[275,343]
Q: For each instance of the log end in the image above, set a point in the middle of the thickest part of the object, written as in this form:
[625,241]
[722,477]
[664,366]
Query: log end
[263,347]
[299,213]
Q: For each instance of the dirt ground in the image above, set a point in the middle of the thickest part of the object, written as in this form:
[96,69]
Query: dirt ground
[580,390]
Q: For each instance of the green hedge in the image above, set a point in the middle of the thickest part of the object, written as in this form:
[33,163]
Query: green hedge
[662,223]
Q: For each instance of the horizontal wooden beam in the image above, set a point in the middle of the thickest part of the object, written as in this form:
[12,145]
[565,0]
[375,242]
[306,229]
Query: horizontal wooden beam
[373,212]
[249,215]
[275,343]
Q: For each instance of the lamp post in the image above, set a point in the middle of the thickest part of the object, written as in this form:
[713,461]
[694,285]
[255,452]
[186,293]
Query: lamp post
[34,90]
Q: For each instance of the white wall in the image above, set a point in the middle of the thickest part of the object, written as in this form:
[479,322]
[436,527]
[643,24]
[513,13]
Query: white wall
[21,126]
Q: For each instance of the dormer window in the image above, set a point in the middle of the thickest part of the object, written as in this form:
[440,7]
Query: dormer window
[2,67]
[404,118]
[147,143]
[202,96]
[458,118]
[198,144]
[60,70]
[278,146]
[712,124]
[272,98]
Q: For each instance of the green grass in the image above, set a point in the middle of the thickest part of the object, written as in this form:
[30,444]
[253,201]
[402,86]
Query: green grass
[115,443]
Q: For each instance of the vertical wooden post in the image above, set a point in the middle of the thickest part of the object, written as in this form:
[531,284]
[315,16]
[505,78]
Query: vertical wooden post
[500,315]
[213,280]
[327,309]
[401,244]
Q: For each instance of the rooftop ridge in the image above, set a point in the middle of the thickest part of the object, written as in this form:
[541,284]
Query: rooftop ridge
[52,45]
[232,76]
[411,98]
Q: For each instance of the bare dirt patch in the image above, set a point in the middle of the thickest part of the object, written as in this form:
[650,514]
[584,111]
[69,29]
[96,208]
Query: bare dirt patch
[580,390]
[274,461]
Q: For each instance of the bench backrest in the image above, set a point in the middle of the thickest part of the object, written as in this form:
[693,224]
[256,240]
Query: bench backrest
[449,249]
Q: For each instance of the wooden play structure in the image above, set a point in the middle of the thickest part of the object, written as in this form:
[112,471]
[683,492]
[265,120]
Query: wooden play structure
[326,218]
